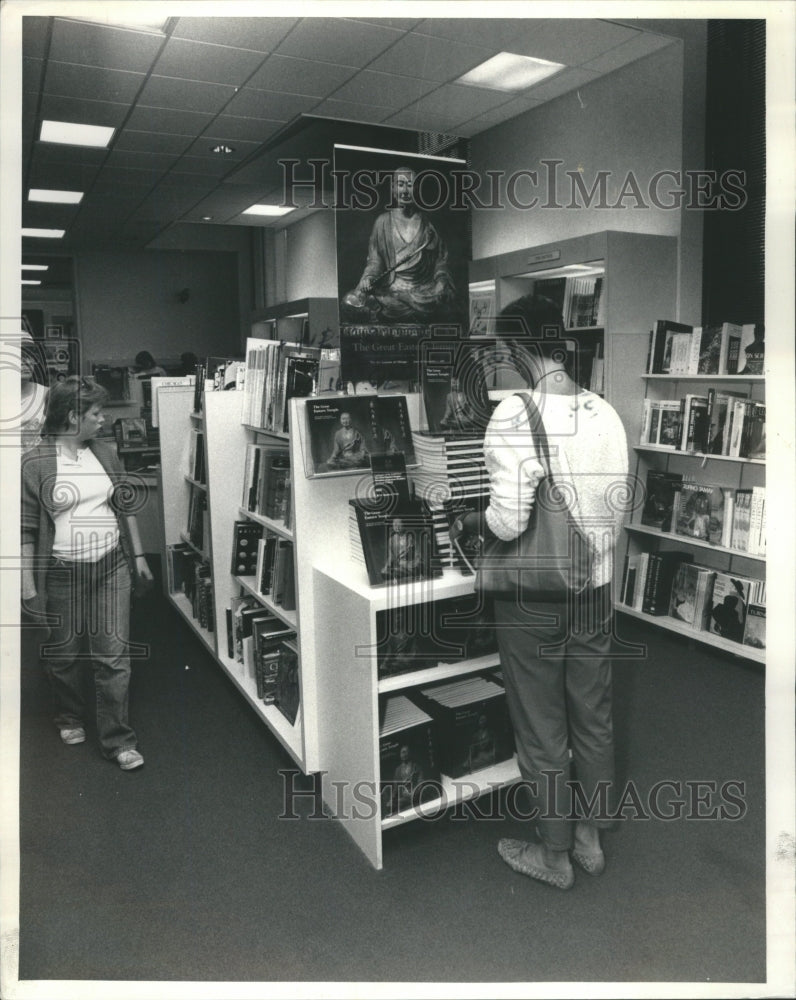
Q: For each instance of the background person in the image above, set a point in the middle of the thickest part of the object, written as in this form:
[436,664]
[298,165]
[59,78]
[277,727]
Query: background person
[146,366]
[79,552]
[33,391]
[555,656]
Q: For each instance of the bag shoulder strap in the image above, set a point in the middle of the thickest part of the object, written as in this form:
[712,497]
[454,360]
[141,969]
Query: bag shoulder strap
[537,429]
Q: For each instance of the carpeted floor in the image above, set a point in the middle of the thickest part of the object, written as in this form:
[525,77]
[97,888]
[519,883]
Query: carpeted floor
[182,870]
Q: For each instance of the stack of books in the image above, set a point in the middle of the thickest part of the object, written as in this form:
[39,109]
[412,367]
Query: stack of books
[408,755]
[266,482]
[681,349]
[275,373]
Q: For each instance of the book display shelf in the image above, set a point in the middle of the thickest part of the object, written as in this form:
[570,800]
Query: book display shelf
[722,479]
[225,440]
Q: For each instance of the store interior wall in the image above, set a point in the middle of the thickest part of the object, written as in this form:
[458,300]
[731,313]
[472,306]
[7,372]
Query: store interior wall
[128,302]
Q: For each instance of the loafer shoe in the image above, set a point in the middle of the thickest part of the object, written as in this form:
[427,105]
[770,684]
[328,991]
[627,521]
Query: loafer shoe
[128,760]
[73,734]
[592,862]
[528,859]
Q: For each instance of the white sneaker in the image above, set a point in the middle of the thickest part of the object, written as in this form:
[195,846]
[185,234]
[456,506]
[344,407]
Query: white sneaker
[72,735]
[128,760]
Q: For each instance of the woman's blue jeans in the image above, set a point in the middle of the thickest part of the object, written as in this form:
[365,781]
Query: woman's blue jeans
[91,602]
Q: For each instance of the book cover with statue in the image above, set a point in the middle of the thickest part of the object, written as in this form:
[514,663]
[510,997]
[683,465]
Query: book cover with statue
[402,262]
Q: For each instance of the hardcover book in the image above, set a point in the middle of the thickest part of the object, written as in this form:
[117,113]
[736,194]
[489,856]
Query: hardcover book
[661,570]
[408,756]
[728,606]
[245,535]
[453,380]
[755,628]
[343,432]
[287,694]
[658,506]
[665,331]
[398,545]
[693,516]
[692,590]
[752,349]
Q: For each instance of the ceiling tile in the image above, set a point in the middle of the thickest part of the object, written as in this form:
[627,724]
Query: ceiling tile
[32,74]
[642,44]
[402,23]
[91,82]
[69,109]
[169,202]
[151,142]
[422,121]
[429,58]
[35,32]
[185,95]
[155,163]
[100,45]
[123,178]
[275,107]
[383,89]
[63,177]
[231,128]
[57,156]
[309,78]
[338,40]
[561,83]
[456,101]
[190,60]
[213,167]
[43,216]
[352,112]
[262,34]
[187,123]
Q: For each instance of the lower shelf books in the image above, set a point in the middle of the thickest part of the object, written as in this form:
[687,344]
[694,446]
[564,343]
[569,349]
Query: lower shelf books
[472,720]
[722,516]
[245,536]
[418,636]
[408,755]
[396,544]
[662,488]
[275,572]
[287,691]
[702,598]
[189,574]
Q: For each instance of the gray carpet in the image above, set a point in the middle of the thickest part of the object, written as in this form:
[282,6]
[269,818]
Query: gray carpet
[181,871]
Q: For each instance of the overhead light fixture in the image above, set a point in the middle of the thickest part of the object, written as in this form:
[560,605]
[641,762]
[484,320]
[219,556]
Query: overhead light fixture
[45,234]
[75,134]
[30,281]
[222,149]
[55,197]
[509,72]
[267,210]
[146,20]
[35,267]
[207,218]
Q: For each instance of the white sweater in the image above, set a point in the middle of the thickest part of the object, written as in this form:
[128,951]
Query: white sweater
[588,451]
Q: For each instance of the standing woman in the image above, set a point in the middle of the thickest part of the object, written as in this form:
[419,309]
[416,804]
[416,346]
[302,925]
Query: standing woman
[80,549]
[554,650]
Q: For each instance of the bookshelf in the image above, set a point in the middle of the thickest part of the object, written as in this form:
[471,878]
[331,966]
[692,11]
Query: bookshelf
[341,609]
[727,472]
[312,322]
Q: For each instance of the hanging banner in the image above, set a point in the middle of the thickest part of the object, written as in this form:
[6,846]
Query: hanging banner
[402,256]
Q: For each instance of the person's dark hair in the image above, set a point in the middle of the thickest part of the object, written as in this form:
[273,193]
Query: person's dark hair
[75,394]
[537,321]
[144,360]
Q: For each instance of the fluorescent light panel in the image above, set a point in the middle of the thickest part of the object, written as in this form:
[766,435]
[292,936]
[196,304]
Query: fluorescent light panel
[35,267]
[266,210]
[55,197]
[47,234]
[30,281]
[74,134]
[509,72]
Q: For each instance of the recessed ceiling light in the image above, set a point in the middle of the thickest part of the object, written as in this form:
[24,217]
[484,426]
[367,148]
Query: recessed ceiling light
[207,218]
[48,234]
[267,210]
[35,267]
[74,134]
[30,281]
[222,149]
[56,197]
[509,72]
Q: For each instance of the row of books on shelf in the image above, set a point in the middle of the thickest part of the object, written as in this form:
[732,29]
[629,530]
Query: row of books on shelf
[277,372]
[453,728]
[267,650]
[268,558]
[716,349]
[670,583]
[214,374]
[196,456]
[198,528]
[729,517]
[267,483]
[711,423]
[189,574]
[579,298]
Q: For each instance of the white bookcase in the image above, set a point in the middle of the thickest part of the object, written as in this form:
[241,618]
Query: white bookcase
[341,606]
[718,470]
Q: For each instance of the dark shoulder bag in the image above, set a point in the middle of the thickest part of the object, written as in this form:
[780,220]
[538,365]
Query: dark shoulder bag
[552,558]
